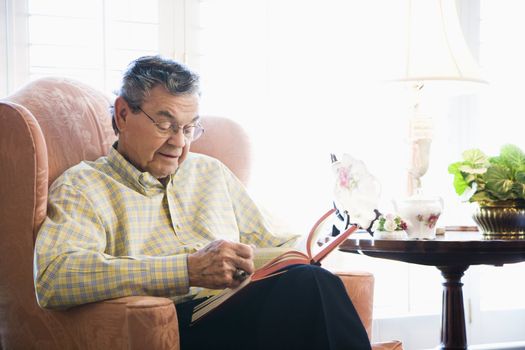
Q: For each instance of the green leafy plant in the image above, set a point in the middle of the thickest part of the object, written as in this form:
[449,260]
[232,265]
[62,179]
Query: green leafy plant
[483,179]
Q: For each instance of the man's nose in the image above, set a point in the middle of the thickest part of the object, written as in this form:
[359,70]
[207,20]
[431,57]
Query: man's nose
[177,139]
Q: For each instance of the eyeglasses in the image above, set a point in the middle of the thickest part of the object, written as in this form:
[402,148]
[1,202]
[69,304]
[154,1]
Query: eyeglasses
[191,132]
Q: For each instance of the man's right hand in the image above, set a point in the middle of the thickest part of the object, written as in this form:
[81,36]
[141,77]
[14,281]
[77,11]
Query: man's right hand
[214,265]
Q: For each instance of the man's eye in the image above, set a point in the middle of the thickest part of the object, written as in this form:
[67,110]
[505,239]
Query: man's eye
[188,130]
[164,125]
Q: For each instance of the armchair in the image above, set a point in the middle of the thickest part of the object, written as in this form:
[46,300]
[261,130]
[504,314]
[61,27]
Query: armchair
[46,127]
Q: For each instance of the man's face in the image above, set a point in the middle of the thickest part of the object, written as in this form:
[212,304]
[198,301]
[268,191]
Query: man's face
[141,143]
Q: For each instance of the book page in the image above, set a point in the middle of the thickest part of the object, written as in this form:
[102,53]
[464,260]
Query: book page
[262,256]
[291,257]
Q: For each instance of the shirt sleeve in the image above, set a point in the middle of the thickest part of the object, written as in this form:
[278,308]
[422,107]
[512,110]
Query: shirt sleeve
[254,226]
[71,267]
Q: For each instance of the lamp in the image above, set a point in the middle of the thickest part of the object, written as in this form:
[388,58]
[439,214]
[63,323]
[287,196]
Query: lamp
[436,57]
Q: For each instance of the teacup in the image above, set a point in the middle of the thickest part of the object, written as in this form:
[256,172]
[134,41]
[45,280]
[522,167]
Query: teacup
[420,214]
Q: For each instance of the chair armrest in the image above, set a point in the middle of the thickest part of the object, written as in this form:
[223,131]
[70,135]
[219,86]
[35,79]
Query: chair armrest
[360,288]
[136,322]
[152,322]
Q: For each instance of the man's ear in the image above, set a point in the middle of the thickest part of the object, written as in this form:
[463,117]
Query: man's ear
[121,113]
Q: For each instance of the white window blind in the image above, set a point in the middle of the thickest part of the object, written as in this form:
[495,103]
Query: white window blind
[92,41]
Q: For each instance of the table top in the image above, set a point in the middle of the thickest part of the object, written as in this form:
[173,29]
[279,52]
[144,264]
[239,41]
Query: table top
[453,248]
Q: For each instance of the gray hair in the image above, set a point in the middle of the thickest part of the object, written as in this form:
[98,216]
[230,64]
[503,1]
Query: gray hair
[145,73]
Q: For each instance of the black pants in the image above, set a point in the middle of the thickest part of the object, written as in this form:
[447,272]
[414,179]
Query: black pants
[304,308]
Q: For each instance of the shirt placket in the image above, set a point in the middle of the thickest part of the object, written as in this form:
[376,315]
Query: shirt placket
[173,211]
[169,207]
[182,229]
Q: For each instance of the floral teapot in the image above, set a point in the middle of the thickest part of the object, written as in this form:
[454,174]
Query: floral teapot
[421,214]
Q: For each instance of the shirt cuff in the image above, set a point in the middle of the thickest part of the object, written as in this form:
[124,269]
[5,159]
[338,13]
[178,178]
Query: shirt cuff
[169,275]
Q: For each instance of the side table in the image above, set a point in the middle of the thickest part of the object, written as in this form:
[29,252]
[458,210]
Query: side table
[452,254]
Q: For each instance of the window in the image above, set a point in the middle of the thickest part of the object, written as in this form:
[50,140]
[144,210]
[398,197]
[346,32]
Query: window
[91,41]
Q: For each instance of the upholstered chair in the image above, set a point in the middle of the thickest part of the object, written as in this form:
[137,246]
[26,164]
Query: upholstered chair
[46,127]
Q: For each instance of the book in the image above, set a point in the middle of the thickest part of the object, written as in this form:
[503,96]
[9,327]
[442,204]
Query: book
[327,234]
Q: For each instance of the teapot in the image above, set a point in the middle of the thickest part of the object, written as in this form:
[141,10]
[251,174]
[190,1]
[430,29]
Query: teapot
[421,214]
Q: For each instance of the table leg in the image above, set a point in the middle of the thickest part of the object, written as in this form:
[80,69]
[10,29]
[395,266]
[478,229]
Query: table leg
[453,330]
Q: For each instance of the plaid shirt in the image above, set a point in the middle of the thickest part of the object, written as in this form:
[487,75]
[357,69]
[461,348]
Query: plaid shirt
[113,231]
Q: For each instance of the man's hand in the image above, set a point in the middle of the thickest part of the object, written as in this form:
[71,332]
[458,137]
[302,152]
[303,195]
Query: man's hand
[214,265]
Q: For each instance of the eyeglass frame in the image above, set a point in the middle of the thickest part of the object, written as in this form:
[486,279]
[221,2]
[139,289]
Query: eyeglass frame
[176,127]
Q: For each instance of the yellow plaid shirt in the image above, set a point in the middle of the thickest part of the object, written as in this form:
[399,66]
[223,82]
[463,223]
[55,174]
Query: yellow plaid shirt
[113,231]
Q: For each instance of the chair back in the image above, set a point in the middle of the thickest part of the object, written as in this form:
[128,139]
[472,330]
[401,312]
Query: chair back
[46,127]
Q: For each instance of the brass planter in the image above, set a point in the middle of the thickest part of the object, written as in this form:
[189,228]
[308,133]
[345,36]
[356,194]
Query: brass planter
[501,220]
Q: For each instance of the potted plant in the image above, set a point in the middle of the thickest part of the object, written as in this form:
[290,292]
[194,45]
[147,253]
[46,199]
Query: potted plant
[497,184]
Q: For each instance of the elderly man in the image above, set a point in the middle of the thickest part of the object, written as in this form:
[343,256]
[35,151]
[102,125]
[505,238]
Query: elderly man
[153,219]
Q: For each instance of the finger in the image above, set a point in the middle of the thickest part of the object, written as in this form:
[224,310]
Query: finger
[243,250]
[244,264]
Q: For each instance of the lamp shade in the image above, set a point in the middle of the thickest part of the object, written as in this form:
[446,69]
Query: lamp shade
[435,49]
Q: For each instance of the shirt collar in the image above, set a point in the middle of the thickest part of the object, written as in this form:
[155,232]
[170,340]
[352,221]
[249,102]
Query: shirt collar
[142,182]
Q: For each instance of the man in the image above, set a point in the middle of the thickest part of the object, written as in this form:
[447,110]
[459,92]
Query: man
[153,219]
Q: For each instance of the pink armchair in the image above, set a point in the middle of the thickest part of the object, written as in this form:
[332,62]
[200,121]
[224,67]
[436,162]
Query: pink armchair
[46,127]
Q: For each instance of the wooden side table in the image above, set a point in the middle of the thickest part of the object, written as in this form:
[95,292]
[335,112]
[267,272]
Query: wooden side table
[452,254]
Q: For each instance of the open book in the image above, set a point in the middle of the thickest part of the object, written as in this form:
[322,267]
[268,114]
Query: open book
[327,233]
